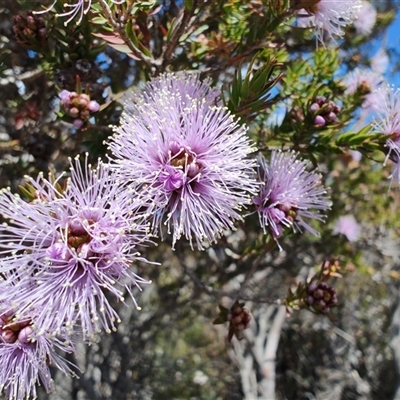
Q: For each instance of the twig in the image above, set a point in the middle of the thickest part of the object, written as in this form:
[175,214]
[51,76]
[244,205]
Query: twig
[182,24]
[119,28]
[267,384]
[218,293]
[30,74]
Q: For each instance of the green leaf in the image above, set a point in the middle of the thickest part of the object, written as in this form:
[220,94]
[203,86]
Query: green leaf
[188,5]
[99,21]
[28,191]
[171,29]
[219,320]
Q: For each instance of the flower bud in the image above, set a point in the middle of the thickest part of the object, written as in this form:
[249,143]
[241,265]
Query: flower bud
[312,287]
[78,106]
[30,22]
[319,120]
[332,117]
[41,33]
[85,97]
[78,123]
[24,334]
[327,111]
[73,96]
[64,95]
[9,336]
[318,294]
[239,319]
[84,114]
[310,300]
[74,112]
[82,103]
[93,106]
[237,310]
[321,100]
[30,30]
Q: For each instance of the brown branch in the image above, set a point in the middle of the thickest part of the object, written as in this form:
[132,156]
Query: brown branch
[119,27]
[218,293]
[173,43]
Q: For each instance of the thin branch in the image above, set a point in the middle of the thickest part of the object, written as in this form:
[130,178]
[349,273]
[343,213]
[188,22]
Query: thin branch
[218,293]
[183,24]
[120,29]
[267,385]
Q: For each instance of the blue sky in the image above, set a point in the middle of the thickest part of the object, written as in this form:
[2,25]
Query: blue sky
[391,41]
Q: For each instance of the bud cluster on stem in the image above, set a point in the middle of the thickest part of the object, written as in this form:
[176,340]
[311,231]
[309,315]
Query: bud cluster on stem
[78,106]
[324,111]
[321,297]
[316,295]
[239,319]
[30,30]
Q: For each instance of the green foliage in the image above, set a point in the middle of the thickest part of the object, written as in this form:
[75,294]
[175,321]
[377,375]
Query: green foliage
[249,95]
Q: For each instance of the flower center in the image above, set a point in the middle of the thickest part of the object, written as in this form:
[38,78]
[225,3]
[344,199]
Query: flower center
[289,211]
[364,87]
[280,215]
[77,234]
[185,161]
[182,168]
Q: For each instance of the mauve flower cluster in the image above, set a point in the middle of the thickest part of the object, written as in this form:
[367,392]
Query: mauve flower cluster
[327,16]
[366,19]
[347,225]
[78,106]
[187,155]
[380,61]
[64,254]
[80,245]
[289,193]
[26,357]
[387,122]
[325,111]
[365,82]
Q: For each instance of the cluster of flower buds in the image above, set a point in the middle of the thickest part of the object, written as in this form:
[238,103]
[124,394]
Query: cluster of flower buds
[78,106]
[321,297]
[325,111]
[238,317]
[316,295]
[30,29]
[11,331]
